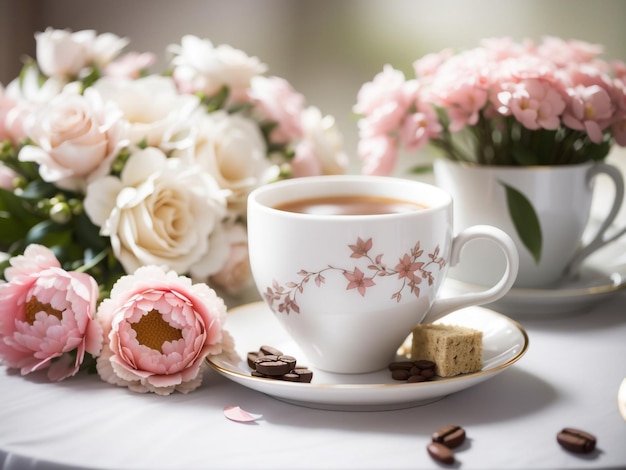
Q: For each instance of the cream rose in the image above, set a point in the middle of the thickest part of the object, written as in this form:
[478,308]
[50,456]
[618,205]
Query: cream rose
[162,212]
[73,135]
[232,149]
[201,67]
[155,111]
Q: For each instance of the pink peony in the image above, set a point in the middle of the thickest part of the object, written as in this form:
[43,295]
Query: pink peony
[159,328]
[46,315]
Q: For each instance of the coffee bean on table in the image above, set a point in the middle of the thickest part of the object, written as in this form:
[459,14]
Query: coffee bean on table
[577,441]
[440,453]
[451,436]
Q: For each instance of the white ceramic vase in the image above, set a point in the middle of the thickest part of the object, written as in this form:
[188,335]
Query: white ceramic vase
[561,197]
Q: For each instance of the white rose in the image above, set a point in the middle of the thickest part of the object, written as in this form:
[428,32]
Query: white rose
[106,47]
[63,53]
[161,212]
[232,149]
[152,106]
[201,67]
[321,148]
[73,135]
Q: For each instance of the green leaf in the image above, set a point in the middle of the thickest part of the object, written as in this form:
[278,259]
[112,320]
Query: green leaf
[49,234]
[421,169]
[525,221]
[10,229]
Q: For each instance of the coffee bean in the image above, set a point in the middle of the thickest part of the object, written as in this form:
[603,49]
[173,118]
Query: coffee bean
[298,375]
[252,356]
[275,365]
[577,441]
[400,374]
[451,436]
[413,379]
[424,364]
[412,371]
[404,365]
[278,366]
[440,453]
[270,351]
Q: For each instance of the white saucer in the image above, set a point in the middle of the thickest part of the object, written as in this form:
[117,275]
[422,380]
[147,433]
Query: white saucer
[602,275]
[253,325]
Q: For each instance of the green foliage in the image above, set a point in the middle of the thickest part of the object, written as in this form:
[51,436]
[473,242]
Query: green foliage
[525,220]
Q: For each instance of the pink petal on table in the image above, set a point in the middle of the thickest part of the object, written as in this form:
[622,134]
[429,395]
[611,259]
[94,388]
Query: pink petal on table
[235,413]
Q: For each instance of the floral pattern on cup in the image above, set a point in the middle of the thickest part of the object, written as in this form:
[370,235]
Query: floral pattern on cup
[410,270]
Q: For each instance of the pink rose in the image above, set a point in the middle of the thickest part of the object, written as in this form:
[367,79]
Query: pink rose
[46,314]
[159,328]
[280,103]
[73,135]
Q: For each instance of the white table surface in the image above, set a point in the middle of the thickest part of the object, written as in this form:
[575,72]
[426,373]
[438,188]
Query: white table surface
[568,377]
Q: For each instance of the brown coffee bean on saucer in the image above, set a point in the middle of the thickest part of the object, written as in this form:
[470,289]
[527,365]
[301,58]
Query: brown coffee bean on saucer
[577,441]
[270,351]
[299,374]
[275,365]
[412,371]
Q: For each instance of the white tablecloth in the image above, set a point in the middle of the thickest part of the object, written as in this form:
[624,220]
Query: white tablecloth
[569,377]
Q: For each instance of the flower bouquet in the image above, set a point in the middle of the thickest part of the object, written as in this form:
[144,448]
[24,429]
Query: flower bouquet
[123,194]
[503,104]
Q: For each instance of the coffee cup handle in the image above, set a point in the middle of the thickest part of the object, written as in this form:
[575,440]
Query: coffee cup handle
[599,241]
[443,306]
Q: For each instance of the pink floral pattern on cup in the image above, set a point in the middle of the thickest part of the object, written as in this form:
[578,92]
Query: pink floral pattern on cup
[410,271]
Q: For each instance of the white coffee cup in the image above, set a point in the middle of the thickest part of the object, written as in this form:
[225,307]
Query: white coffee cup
[349,288]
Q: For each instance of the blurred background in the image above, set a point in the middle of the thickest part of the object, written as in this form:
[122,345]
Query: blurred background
[325,48]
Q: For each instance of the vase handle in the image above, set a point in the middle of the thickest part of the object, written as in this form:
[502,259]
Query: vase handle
[598,240]
[443,306]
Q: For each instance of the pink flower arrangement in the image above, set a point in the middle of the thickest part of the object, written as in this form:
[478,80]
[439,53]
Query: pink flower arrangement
[504,103]
[122,197]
